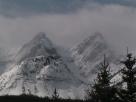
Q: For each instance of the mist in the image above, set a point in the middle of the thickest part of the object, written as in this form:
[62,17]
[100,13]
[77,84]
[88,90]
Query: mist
[116,22]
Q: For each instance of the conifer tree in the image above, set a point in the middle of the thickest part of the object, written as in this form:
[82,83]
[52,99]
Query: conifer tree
[55,95]
[101,90]
[128,92]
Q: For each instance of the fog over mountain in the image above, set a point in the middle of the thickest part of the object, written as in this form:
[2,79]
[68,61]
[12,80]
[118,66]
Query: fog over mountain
[40,66]
[67,22]
[74,36]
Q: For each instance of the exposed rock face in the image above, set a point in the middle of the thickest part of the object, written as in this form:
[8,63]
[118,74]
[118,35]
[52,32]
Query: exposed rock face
[90,53]
[40,67]
[39,45]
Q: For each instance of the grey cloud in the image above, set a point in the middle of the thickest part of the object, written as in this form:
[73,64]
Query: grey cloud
[21,8]
[31,7]
[116,23]
[130,3]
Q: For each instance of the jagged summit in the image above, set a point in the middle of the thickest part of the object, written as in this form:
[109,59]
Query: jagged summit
[96,35]
[40,36]
[42,39]
[89,54]
[38,72]
[94,41]
[40,45]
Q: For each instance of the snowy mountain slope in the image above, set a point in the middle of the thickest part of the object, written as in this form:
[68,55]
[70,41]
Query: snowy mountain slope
[4,60]
[40,67]
[39,45]
[32,77]
[90,53]
[70,62]
[38,70]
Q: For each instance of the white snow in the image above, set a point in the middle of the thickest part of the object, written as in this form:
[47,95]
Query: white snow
[37,71]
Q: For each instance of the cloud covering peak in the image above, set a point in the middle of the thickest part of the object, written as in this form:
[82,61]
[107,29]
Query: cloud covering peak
[67,22]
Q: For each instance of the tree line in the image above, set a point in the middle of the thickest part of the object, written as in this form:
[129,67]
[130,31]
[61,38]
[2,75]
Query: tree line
[103,89]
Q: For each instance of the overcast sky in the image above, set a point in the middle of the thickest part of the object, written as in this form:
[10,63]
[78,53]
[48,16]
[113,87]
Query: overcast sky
[67,22]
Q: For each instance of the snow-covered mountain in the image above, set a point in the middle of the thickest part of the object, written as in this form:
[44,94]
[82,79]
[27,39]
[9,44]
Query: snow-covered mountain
[40,66]
[4,60]
[39,45]
[38,70]
[90,53]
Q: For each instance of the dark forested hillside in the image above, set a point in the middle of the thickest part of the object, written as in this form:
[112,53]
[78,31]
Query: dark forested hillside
[29,98]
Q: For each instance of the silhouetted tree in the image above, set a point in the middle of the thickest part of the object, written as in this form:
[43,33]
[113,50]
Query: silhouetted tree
[102,91]
[55,95]
[128,92]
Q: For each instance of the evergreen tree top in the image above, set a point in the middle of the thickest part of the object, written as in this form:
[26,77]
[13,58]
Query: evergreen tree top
[129,62]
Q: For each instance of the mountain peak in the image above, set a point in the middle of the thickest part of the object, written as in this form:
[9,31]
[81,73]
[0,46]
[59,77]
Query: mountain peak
[98,34]
[95,37]
[42,41]
[89,54]
[40,45]
[40,35]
